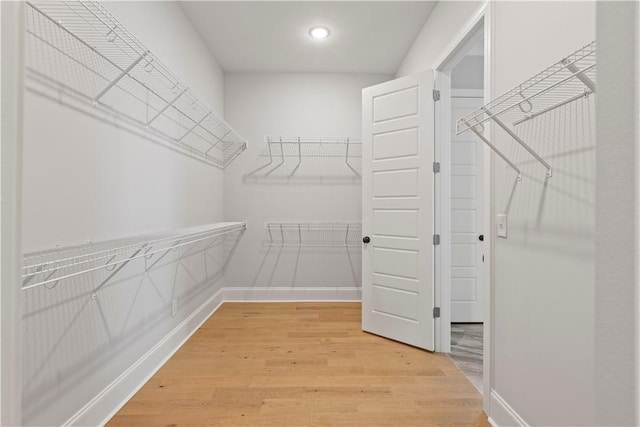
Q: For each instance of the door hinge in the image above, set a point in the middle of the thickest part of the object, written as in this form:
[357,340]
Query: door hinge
[436,239]
[436,95]
[436,167]
[436,312]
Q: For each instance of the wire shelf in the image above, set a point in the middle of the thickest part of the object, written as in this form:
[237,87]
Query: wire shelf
[49,267]
[78,48]
[298,147]
[313,234]
[567,80]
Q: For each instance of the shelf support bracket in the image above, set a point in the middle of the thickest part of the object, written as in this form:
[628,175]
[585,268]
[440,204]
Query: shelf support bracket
[117,79]
[495,149]
[270,233]
[281,151]
[521,142]
[346,233]
[270,155]
[580,75]
[233,250]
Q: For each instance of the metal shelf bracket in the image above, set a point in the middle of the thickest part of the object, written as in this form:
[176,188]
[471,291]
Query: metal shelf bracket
[519,140]
[496,150]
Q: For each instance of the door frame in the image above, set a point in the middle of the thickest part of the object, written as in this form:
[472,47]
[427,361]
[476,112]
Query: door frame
[480,23]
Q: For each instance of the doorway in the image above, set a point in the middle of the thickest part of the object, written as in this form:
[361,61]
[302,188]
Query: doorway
[397,287]
[463,208]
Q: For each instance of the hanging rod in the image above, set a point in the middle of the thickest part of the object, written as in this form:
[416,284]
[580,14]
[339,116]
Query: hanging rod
[569,79]
[46,267]
[80,50]
[313,234]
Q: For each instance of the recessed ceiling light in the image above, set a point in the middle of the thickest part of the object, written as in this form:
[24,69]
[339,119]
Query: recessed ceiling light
[319,32]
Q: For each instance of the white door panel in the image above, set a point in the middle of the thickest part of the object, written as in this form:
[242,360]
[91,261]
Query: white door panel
[397,281]
[395,183]
[466,218]
[395,104]
[396,144]
[395,223]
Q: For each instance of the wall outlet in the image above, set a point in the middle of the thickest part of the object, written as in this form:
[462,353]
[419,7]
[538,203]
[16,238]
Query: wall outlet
[174,307]
[501,226]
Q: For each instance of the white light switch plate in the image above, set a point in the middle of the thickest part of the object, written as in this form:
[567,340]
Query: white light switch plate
[501,225]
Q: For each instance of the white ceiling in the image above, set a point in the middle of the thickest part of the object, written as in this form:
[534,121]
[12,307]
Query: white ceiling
[272,36]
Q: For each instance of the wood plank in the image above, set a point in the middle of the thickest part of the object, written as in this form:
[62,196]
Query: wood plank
[301,364]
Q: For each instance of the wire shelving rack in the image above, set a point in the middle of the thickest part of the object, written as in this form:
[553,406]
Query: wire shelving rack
[78,48]
[296,148]
[566,81]
[47,268]
[313,234]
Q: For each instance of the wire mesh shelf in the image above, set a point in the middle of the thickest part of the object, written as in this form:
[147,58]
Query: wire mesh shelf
[78,48]
[566,81]
[296,148]
[313,234]
[49,267]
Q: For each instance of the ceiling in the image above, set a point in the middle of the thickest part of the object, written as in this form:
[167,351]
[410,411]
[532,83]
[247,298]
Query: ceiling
[273,36]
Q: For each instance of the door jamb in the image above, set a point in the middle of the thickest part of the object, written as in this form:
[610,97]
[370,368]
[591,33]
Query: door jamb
[482,19]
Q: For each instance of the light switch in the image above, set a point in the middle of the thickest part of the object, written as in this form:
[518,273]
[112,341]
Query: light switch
[501,225]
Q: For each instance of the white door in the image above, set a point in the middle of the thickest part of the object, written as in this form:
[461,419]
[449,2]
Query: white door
[466,217]
[397,210]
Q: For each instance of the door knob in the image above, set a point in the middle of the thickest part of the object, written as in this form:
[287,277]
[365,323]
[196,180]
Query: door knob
[481,237]
[366,239]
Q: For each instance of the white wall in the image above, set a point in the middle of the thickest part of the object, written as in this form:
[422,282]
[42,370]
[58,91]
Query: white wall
[617,195]
[86,180]
[543,298]
[321,189]
[11,72]
[543,295]
[469,73]
[442,25]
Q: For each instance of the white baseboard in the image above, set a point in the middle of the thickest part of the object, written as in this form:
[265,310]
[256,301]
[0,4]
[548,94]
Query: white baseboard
[284,294]
[503,415]
[108,402]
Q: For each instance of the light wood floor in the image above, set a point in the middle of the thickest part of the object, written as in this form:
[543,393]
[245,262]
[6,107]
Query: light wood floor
[301,364]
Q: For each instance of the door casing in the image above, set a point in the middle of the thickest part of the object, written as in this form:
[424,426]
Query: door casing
[479,24]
